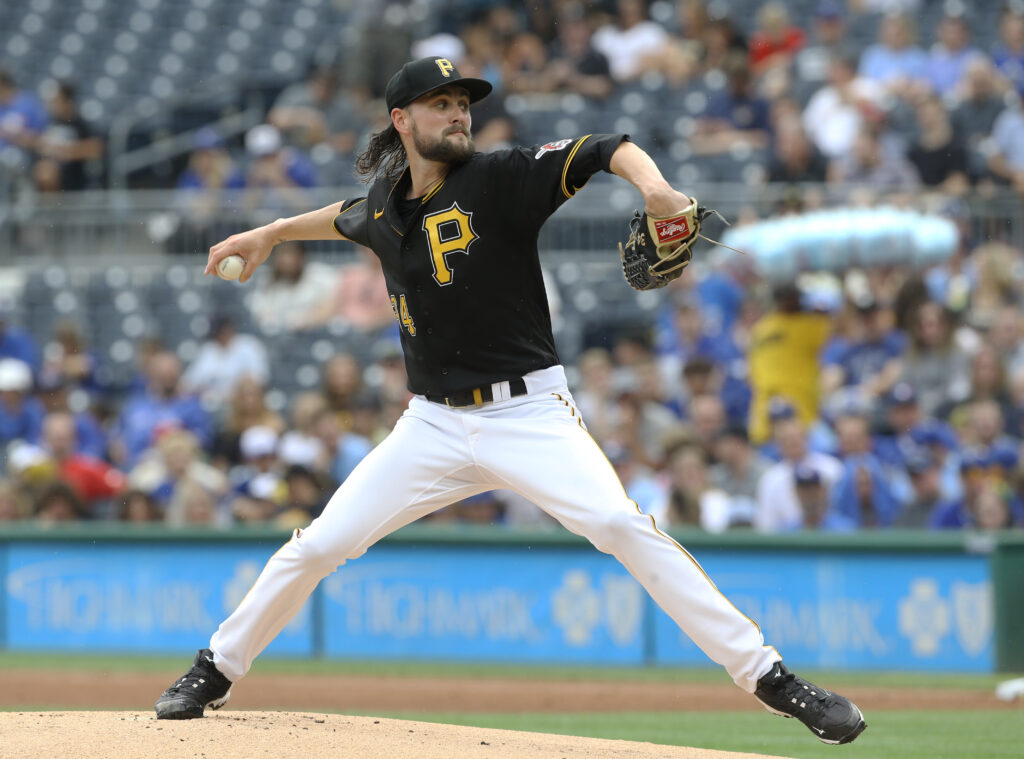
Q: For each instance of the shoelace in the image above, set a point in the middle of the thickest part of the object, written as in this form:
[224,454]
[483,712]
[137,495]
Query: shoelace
[792,688]
[194,673]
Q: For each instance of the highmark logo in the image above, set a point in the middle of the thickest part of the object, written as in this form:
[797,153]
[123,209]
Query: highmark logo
[238,586]
[576,608]
[926,617]
[579,608]
[86,596]
[974,612]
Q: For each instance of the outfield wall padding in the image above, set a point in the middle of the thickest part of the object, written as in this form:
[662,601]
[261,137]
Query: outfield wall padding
[874,600]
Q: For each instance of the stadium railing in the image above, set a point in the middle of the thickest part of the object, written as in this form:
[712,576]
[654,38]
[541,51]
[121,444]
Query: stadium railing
[152,222]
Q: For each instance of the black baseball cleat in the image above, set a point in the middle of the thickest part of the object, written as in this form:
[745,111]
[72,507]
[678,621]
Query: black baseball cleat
[832,718]
[202,686]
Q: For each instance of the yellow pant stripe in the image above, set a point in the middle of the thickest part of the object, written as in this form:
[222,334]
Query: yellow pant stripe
[669,538]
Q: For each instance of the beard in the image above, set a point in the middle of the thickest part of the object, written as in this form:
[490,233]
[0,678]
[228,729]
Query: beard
[442,149]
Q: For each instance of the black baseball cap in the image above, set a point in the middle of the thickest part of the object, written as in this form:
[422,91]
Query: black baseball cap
[805,474]
[901,394]
[417,78]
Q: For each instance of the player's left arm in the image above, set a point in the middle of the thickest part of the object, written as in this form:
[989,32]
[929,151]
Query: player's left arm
[630,162]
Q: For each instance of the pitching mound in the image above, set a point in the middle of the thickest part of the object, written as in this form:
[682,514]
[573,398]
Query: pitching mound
[292,735]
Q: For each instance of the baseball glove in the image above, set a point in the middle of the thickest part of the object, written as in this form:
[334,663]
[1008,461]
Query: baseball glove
[659,248]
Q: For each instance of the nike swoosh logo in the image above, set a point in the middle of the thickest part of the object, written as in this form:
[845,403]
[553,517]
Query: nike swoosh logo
[378,214]
[821,730]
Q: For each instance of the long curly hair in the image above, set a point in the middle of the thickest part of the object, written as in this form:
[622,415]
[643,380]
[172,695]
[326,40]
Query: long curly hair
[384,157]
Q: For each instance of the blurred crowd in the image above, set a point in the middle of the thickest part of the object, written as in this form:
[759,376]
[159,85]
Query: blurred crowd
[847,93]
[897,400]
[877,399]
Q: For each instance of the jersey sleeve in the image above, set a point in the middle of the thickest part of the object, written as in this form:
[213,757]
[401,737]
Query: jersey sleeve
[350,222]
[554,172]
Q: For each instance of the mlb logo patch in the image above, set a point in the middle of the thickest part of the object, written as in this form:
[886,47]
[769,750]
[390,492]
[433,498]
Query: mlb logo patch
[671,229]
[551,147]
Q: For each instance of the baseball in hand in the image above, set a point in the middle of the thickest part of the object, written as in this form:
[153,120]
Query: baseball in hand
[230,267]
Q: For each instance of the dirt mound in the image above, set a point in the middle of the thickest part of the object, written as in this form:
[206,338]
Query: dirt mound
[292,735]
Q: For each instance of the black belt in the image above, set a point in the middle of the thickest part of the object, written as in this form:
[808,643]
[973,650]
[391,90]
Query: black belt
[478,396]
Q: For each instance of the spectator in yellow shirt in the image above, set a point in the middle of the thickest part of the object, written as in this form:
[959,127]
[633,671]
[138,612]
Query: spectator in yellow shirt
[783,357]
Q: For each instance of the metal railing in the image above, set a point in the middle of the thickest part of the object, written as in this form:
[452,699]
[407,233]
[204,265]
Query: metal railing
[139,223]
[122,161]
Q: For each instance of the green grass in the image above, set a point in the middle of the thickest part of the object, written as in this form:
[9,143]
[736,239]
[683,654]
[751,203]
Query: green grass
[890,735]
[45,660]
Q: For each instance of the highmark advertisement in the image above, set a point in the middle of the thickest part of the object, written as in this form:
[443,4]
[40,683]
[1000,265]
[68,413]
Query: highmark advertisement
[847,611]
[144,598]
[512,604]
[546,604]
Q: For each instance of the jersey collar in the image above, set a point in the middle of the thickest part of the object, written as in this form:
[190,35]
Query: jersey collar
[401,185]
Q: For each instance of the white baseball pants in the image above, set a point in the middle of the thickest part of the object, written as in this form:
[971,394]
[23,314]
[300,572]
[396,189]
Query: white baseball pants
[534,444]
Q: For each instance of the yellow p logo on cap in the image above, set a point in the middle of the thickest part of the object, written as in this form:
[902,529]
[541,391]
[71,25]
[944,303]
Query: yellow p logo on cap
[445,65]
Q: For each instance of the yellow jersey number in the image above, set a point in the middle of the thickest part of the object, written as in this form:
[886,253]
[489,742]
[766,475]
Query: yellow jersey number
[401,309]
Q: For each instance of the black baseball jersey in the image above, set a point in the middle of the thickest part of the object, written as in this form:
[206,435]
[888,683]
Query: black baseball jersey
[463,273]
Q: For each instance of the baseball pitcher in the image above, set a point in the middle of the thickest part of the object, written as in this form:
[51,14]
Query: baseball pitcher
[456,234]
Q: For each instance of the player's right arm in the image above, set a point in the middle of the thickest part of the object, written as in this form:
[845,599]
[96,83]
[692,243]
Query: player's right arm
[255,245]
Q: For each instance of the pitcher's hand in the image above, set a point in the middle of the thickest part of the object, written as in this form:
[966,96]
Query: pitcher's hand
[254,246]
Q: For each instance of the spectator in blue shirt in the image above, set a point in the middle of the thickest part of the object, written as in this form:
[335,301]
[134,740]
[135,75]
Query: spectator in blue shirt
[721,300]
[159,407]
[900,415]
[975,475]
[701,377]
[814,499]
[984,429]
[939,440]
[820,437]
[949,57]
[17,343]
[1008,54]
[278,175]
[895,61]
[638,481]
[990,506]
[21,414]
[210,166]
[715,292]
[867,357]
[681,338]
[206,190]
[735,116]
[22,115]
[863,492]
[345,448]
[688,337]
[1005,148]
[90,437]
[893,443]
